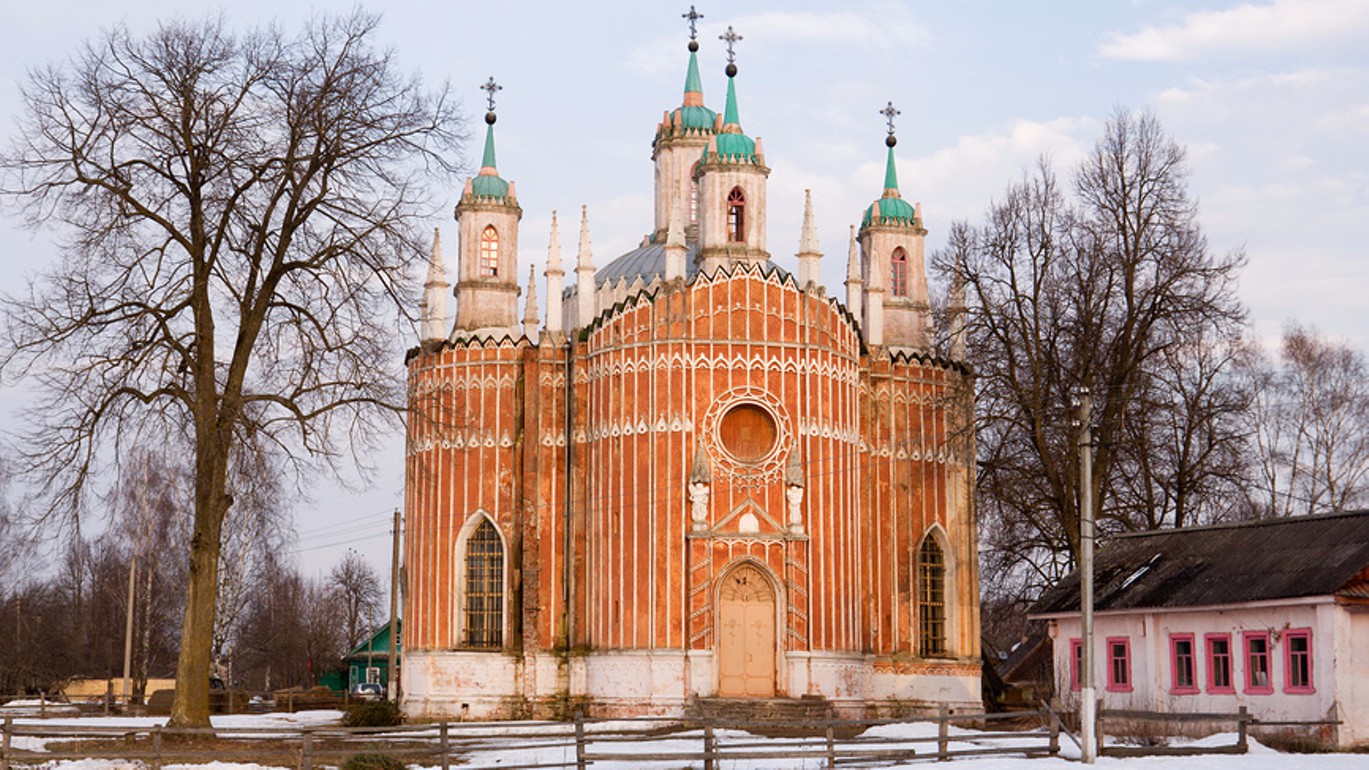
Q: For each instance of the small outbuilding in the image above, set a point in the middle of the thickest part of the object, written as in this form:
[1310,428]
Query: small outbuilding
[1272,615]
[369,662]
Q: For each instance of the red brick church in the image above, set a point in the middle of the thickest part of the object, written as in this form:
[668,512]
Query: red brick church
[703,476]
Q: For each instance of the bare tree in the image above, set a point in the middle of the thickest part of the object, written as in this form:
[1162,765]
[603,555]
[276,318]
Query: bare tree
[1114,290]
[359,595]
[244,214]
[1310,423]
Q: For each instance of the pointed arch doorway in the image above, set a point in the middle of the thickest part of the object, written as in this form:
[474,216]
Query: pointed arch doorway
[746,634]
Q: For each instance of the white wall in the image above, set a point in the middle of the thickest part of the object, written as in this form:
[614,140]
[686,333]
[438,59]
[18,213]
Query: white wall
[1340,661]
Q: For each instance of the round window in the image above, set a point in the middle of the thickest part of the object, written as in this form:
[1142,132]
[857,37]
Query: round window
[748,432]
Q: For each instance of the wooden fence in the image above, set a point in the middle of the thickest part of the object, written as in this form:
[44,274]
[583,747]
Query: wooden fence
[580,744]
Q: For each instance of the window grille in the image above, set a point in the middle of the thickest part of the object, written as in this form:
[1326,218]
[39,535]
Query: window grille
[489,251]
[931,610]
[898,272]
[736,216]
[484,588]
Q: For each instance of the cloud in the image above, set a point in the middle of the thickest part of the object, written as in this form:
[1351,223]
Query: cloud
[1283,25]
[883,26]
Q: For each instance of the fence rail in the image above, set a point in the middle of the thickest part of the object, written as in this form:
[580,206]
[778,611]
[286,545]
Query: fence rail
[712,744]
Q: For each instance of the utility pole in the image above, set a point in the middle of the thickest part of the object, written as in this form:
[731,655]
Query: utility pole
[392,683]
[128,630]
[1088,707]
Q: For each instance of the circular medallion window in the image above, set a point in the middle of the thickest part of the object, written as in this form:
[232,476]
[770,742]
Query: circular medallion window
[748,432]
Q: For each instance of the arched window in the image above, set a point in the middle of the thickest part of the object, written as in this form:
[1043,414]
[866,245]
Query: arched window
[931,599]
[693,202]
[489,251]
[484,587]
[898,272]
[736,216]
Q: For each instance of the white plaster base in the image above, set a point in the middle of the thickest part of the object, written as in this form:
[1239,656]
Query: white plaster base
[497,685]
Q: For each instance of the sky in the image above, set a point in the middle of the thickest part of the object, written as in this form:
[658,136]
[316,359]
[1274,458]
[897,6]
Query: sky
[1271,100]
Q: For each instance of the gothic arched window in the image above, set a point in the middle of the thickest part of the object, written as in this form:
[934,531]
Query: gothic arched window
[898,272]
[931,599]
[484,587]
[736,216]
[693,195]
[489,251]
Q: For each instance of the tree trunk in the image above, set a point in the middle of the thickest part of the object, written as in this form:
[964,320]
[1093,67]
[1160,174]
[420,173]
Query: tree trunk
[190,708]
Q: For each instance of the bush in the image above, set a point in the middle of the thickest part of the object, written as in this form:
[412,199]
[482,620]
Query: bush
[372,762]
[381,713]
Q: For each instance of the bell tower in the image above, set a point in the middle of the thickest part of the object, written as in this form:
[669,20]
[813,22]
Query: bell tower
[487,263]
[680,141]
[731,178]
[897,311]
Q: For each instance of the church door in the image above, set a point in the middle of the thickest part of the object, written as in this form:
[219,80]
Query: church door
[746,635]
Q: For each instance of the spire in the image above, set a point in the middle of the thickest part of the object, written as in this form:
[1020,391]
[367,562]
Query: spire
[890,176]
[958,314]
[808,253]
[487,166]
[584,273]
[555,280]
[854,285]
[730,114]
[433,306]
[693,88]
[487,183]
[530,309]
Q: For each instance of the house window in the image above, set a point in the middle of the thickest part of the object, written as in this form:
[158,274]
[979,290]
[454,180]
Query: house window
[484,588]
[898,272]
[489,251]
[1182,679]
[931,604]
[1219,664]
[1119,664]
[1076,663]
[1257,680]
[1297,645]
[373,674]
[736,216]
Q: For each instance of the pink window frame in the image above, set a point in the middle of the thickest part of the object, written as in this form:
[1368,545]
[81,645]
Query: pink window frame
[1174,686]
[898,272]
[1113,685]
[1250,688]
[1288,686]
[1076,657]
[1230,687]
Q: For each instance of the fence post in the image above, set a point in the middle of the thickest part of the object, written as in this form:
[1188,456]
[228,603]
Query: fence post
[831,739]
[156,748]
[43,705]
[5,746]
[109,694]
[943,731]
[580,740]
[306,752]
[1053,720]
[446,746]
[1242,740]
[708,745]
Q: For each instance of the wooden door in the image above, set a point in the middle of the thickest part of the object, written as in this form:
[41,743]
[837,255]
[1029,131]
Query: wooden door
[746,635]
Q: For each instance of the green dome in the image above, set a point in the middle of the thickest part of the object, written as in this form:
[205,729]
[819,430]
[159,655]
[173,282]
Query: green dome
[732,144]
[696,118]
[892,208]
[489,186]
[891,211]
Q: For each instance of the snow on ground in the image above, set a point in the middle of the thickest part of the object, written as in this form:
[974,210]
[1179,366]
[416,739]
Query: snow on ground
[509,744]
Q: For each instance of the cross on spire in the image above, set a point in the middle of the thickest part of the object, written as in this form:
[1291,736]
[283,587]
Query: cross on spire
[889,113]
[730,37]
[693,17]
[490,87]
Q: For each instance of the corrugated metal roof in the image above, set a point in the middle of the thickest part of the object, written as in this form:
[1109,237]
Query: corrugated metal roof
[1204,566]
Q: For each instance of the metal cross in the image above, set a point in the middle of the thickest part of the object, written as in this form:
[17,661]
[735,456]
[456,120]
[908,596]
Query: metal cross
[490,87]
[731,39]
[889,112]
[693,17]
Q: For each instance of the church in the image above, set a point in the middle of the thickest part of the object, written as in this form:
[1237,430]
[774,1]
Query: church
[702,476]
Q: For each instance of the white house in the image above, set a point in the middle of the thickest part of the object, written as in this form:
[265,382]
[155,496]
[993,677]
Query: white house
[1272,615]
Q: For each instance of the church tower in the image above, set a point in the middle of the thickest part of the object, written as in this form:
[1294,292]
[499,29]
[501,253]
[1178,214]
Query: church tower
[897,312]
[680,141]
[731,180]
[487,263]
